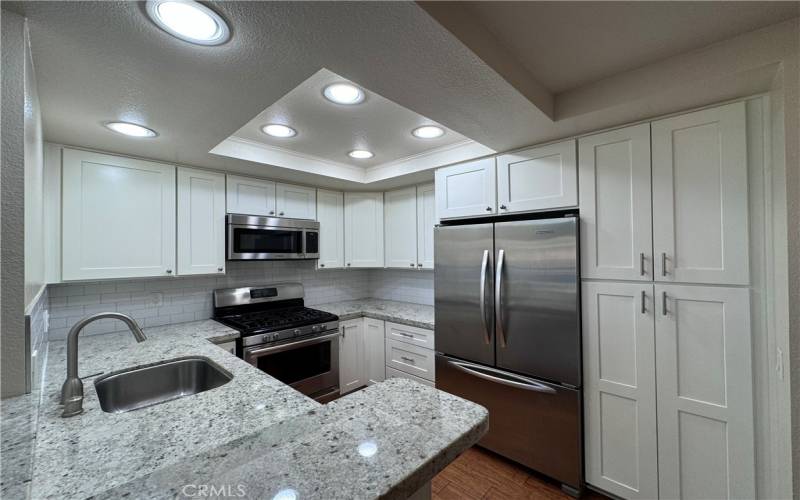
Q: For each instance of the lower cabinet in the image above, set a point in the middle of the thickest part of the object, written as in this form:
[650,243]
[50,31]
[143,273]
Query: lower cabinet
[352,366]
[369,352]
[668,390]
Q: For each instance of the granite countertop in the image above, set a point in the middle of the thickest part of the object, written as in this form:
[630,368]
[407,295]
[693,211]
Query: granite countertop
[254,432]
[404,313]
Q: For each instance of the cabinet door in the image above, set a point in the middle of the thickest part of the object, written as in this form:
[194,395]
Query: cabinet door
[705,398]
[250,196]
[352,370]
[615,205]
[466,190]
[296,202]
[374,338]
[363,229]
[538,178]
[201,222]
[118,217]
[400,226]
[700,197]
[426,221]
[620,388]
[330,214]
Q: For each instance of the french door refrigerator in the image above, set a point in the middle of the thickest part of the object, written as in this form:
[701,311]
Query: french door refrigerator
[508,336]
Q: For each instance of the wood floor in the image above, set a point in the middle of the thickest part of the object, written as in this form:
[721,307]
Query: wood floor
[480,474]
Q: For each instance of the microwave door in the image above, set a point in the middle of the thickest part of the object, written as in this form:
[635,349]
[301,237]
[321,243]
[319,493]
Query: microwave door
[262,243]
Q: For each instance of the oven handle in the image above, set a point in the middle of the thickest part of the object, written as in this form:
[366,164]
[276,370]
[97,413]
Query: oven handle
[258,351]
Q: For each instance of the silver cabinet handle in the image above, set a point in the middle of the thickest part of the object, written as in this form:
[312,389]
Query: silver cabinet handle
[280,213]
[169,271]
[641,264]
[412,264]
[419,264]
[322,265]
[404,334]
[343,330]
[644,307]
[503,207]
[484,321]
[219,269]
[408,360]
[494,375]
[498,298]
[663,263]
[488,209]
[272,212]
[348,264]
[664,303]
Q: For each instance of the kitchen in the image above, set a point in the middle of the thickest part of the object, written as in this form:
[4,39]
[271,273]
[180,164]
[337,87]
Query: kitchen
[400,248]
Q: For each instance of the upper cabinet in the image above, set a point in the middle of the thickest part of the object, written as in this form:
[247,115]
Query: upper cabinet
[426,221]
[363,229]
[466,189]
[250,196]
[615,204]
[118,217]
[538,178]
[297,202]
[201,222]
[700,197]
[330,214]
[400,227]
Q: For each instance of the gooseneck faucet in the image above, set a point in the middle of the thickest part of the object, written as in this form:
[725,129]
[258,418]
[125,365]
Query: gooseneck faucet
[72,390]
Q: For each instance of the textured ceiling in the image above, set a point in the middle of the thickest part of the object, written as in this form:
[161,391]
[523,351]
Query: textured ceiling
[329,131]
[565,45]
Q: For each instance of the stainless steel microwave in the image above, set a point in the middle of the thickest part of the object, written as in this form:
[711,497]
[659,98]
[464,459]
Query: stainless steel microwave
[252,237]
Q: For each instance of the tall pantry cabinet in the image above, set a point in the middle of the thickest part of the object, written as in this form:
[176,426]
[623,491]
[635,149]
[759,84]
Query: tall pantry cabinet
[666,327]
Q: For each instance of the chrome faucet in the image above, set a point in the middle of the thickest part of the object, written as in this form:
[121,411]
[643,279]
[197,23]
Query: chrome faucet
[72,390]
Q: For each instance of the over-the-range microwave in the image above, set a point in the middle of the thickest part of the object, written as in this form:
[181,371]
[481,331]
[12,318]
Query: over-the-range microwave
[253,237]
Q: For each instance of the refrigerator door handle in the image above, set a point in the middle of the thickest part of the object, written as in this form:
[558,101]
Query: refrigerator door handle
[498,298]
[498,376]
[484,323]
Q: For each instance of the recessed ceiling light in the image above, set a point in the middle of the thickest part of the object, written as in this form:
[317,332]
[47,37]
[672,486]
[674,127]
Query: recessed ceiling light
[189,20]
[131,129]
[428,132]
[276,130]
[360,154]
[343,93]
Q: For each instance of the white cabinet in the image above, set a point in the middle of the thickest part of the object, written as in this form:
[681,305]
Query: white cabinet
[228,346]
[700,230]
[400,227]
[296,202]
[352,369]
[539,178]
[668,390]
[412,359]
[620,388]
[392,373]
[705,385]
[201,222]
[363,229]
[615,205]
[118,217]
[330,214]
[466,190]
[426,221]
[374,350]
[250,196]
[410,334]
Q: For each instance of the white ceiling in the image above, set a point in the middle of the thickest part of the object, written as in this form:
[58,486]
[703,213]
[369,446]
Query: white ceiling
[99,61]
[326,132]
[567,44]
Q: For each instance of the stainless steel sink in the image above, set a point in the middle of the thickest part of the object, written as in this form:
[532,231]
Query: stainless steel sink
[151,385]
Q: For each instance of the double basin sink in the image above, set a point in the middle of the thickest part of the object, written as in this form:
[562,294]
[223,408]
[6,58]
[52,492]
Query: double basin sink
[151,385]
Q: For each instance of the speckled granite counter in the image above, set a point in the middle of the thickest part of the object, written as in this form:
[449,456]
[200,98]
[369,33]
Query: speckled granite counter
[404,313]
[253,432]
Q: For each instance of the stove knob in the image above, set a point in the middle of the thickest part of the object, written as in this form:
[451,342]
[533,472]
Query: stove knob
[296,332]
[265,338]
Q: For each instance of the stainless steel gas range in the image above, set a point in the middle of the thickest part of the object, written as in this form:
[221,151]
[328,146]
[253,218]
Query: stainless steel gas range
[280,336]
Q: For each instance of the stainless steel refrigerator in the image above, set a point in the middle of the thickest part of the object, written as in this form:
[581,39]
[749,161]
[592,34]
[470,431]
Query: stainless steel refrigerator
[508,336]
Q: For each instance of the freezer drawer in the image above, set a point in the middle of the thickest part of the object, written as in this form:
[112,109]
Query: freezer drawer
[531,422]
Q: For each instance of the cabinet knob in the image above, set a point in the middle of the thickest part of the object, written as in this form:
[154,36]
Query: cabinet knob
[348,264]
[412,264]
[503,207]
[219,269]
[280,213]
[488,209]
[272,212]
[419,265]
[169,271]
[322,265]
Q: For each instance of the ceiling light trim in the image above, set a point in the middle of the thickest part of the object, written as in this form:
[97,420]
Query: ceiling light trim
[222,35]
[149,133]
[290,131]
[360,98]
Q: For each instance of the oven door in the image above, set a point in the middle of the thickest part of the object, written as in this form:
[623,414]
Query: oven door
[248,242]
[311,366]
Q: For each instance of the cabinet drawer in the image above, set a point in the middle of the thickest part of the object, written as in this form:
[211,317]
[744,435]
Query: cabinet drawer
[392,373]
[410,335]
[410,359]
